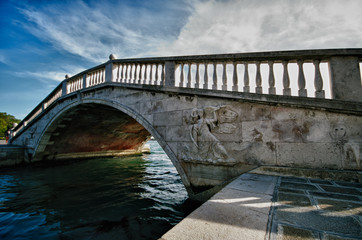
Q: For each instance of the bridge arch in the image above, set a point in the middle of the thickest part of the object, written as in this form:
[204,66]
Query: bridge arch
[53,142]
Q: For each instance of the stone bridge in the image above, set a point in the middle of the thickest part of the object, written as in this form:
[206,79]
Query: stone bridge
[216,116]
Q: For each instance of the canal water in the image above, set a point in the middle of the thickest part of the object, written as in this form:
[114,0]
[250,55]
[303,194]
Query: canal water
[108,198]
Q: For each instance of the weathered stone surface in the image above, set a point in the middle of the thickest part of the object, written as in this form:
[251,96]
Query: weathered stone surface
[292,233]
[313,155]
[199,127]
[12,155]
[231,214]
[173,118]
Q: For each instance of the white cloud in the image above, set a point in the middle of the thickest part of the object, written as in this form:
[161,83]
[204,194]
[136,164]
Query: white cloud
[244,26]
[3,59]
[56,75]
[95,30]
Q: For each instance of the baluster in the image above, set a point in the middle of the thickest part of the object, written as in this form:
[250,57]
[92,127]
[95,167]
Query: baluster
[117,76]
[214,78]
[125,68]
[182,75]
[120,79]
[189,76]
[224,78]
[162,81]
[271,79]
[301,80]
[131,73]
[286,81]
[151,75]
[124,73]
[156,75]
[129,77]
[246,78]
[197,77]
[235,77]
[92,78]
[318,81]
[139,73]
[206,76]
[144,74]
[258,80]
[134,73]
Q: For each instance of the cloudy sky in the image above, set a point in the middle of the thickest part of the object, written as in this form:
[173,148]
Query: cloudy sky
[42,40]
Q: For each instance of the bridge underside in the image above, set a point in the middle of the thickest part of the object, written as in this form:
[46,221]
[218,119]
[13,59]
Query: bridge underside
[91,130]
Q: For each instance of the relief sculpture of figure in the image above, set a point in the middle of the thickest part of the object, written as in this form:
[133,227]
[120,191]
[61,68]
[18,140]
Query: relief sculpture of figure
[208,146]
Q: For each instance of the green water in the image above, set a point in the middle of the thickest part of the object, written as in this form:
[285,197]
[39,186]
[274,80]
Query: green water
[110,198]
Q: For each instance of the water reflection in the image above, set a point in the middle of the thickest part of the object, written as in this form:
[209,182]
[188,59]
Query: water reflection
[111,198]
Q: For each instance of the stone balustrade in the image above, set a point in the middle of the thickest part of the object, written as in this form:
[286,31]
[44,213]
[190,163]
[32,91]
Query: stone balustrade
[271,73]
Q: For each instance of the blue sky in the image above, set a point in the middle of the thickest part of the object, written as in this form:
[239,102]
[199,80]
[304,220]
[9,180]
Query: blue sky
[42,40]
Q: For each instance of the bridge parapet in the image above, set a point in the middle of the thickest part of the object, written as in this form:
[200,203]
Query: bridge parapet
[333,74]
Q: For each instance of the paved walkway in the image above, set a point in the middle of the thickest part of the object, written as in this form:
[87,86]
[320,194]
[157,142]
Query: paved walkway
[271,207]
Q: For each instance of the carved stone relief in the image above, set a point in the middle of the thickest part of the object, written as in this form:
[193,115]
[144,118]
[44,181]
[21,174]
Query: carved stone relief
[349,152]
[204,123]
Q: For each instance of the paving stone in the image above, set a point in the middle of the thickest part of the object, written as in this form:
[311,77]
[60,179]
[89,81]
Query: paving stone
[342,190]
[288,190]
[317,220]
[301,186]
[334,237]
[340,207]
[321,181]
[350,184]
[293,199]
[230,214]
[334,196]
[254,183]
[293,233]
[293,179]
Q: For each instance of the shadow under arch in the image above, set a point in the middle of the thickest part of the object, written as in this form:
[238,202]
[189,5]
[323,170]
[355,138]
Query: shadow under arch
[70,132]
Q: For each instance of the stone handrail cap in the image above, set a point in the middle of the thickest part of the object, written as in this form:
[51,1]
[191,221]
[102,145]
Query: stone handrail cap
[112,56]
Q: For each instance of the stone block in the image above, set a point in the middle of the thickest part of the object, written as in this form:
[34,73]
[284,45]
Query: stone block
[311,155]
[177,133]
[148,118]
[145,107]
[258,131]
[228,132]
[286,232]
[230,214]
[161,131]
[255,153]
[254,112]
[168,118]
[288,113]
[301,130]
[311,219]
[254,183]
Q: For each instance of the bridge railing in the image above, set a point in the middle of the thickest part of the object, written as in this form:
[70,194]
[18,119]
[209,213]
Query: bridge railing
[329,73]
